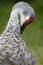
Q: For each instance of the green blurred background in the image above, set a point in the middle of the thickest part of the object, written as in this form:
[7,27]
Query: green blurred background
[33,34]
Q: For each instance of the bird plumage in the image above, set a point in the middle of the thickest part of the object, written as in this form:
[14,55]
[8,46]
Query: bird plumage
[24,6]
[13,50]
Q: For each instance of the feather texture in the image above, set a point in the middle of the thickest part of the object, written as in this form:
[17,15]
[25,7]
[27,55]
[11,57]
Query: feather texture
[13,50]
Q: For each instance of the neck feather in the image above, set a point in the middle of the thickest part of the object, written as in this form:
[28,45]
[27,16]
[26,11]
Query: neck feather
[13,25]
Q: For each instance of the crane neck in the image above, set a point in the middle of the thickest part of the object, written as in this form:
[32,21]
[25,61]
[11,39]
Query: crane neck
[13,26]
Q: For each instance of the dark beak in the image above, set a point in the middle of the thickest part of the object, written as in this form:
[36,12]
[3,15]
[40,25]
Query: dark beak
[22,28]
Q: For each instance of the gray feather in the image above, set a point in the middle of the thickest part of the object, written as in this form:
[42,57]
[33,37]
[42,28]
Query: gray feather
[24,6]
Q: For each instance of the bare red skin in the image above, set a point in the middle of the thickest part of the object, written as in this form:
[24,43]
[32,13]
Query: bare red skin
[28,21]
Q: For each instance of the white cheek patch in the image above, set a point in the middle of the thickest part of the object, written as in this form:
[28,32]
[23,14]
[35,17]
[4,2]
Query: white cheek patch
[22,17]
[22,20]
[27,17]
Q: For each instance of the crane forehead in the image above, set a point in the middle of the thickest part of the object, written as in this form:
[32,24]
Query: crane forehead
[24,6]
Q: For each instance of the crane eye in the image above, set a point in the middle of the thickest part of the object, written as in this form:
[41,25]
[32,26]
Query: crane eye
[25,12]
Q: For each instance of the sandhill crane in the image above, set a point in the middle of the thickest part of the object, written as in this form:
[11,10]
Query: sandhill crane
[13,50]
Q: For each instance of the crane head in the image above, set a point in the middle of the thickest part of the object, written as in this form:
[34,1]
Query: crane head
[27,14]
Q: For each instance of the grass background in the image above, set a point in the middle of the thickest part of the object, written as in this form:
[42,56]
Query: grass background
[33,34]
